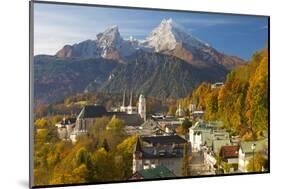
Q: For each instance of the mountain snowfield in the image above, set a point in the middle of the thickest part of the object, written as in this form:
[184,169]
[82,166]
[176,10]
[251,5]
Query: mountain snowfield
[167,38]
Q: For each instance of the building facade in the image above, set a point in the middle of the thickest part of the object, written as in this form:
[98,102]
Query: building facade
[162,150]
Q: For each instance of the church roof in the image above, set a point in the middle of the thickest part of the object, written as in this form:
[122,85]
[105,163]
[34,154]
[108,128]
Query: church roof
[93,111]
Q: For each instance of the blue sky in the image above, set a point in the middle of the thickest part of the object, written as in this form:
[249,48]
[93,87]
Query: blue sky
[57,25]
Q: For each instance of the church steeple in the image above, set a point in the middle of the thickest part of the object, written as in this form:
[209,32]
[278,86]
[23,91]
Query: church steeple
[124,98]
[131,99]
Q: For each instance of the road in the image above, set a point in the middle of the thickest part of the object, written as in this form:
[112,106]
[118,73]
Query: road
[197,166]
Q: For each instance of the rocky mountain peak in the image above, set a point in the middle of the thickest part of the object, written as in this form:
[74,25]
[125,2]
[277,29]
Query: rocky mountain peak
[168,34]
[109,38]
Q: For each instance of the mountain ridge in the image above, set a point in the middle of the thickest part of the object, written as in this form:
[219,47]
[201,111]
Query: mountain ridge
[167,38]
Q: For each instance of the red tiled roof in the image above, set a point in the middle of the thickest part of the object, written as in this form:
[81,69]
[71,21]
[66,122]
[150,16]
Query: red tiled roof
[229,151]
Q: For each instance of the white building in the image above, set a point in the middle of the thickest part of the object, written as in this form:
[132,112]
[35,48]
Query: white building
[246,152]
[208,134]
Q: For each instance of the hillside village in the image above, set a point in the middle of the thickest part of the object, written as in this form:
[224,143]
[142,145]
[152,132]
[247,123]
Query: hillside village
[220,128]
[116,109]
[160,151]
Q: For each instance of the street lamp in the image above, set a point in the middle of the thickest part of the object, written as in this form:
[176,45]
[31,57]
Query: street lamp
[253,148]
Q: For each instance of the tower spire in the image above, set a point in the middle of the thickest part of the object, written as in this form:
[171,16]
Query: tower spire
[131,99]
[124,98]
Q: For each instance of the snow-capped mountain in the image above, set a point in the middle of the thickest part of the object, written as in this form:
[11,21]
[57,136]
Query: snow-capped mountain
[167,38]
[168,35]
[108,44]
[170,38]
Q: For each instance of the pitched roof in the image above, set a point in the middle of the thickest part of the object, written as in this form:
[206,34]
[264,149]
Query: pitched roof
[246,146]
[207,125]
[150,123]
[93,111]
[157,172]
[129,119]
[164,139]
[229,151]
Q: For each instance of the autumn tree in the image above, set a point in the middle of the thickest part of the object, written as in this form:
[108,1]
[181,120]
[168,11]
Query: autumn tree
[185,162]
[260,163]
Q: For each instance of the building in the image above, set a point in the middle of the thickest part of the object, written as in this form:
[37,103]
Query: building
[149,128]
[217,144]
[131,115]
[210,160]
[191,107]
[180,112]
[65,127]
[160,150]
[130,109]
[153,173]
[246,152]
[197,114]
[205,133]
[229,154]
[217,85]
[168,120]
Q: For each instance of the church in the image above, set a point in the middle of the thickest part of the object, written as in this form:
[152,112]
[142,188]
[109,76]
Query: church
[130,109]
[131,115]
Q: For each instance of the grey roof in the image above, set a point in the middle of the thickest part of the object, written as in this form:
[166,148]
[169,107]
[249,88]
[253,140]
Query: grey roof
[164,139]
[148,128]
[94,111]
[201,125]
[129,119]
[162,152]
[150,123]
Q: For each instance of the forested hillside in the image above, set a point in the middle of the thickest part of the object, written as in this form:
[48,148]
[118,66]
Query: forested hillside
[242,103]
